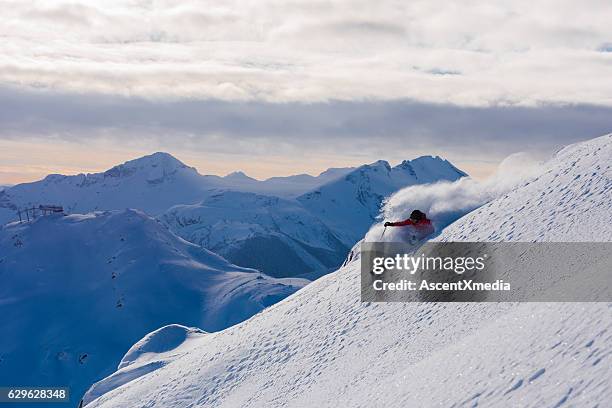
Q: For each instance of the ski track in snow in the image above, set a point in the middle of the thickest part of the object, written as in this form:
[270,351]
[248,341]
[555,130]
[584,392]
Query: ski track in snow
[322,347]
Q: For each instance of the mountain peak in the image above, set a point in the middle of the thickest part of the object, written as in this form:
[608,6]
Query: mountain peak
[336,171]
[238,176]
[429,164]
[158,158]
[379,164]
[156,165]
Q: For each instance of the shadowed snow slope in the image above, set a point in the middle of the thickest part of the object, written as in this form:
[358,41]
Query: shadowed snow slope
[246,228]
[81,289]
[323,347]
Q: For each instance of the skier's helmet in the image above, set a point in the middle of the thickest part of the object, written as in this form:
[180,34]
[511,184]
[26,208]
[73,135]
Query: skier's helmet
[417,215]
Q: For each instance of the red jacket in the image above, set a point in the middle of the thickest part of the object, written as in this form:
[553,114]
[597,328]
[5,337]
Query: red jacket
[421,223]
[421,229]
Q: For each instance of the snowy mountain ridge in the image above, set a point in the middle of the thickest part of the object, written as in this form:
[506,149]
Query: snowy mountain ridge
[323,347]
[151,183]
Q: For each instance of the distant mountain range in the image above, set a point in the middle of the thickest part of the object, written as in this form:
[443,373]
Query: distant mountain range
[307,222]
[151,183]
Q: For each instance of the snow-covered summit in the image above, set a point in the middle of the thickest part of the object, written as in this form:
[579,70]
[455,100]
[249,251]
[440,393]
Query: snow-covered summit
[426,168]
[323,347]
[151,183]
[156,167]
[239,176]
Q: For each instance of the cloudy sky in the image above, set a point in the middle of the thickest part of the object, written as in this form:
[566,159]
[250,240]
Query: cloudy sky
[281,87]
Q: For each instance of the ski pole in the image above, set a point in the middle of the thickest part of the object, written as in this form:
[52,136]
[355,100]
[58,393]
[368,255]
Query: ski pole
[383,233]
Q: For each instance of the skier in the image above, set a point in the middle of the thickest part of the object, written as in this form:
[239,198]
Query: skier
[419,225]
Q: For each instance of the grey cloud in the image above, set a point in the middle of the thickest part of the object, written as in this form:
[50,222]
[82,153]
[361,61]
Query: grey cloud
[348,128]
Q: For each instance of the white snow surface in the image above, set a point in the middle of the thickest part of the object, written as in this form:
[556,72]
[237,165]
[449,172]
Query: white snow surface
[322,347]
[77,291]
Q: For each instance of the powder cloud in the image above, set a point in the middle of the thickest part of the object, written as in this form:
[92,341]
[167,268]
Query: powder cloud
[445,202]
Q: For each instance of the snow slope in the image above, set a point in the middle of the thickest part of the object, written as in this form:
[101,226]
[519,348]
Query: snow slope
[573,193]
[79,290]
[323,347]
[351,204]
[271,234]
